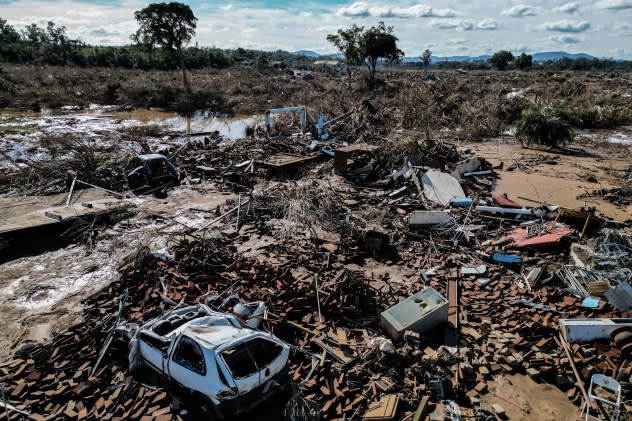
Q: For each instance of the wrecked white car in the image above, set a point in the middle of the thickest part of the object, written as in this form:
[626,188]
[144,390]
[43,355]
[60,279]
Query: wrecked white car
[225,363]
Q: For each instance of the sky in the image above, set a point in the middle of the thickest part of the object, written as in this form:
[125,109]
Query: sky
[602,28]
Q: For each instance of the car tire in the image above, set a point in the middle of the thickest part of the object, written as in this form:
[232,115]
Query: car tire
[623,338]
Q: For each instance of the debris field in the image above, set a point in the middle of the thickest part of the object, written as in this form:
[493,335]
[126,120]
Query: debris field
[339,237]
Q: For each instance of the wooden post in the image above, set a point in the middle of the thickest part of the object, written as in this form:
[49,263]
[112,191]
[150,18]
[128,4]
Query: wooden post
[72,187]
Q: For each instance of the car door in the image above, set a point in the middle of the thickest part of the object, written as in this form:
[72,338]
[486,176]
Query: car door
[187,365]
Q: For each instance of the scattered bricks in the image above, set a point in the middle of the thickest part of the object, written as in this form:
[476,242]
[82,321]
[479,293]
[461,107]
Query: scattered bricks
[533,373]
[431,353]
[468,331]
[495,368]
[481,388]
[542,342]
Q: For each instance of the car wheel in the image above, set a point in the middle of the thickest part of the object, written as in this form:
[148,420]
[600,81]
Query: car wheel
[202,409]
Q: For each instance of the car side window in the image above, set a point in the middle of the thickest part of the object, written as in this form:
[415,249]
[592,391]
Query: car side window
[248,357]
[189,355]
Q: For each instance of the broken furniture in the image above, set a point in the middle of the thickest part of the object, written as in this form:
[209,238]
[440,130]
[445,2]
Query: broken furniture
[342,155]
[598,385]
[587,330]
[286,160]
[580,218]
[383,410]
[582,282]
[419,313]
[301,110]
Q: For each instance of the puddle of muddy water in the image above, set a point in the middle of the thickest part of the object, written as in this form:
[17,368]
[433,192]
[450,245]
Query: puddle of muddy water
[620,136]
[21,132]
[232,128]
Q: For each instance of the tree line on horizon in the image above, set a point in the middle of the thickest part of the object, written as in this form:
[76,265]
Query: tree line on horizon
[51,45]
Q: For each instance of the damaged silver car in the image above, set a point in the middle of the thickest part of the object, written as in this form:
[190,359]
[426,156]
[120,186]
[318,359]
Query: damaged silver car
[220,358]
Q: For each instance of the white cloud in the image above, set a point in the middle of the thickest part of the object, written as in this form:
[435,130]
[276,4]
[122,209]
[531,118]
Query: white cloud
[566,25]
[449,32]
[567,8]
[443,13]
[488,24]
[614,4]
[459,24]
[565,39]
[519,11]
[361,9]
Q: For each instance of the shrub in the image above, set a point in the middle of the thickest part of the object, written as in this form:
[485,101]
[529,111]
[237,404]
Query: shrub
[543,127]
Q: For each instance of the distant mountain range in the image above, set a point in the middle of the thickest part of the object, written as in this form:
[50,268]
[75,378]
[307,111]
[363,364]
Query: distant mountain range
[307,53]
[544,56]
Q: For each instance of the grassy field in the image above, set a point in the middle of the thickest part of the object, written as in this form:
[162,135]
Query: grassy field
[479,103]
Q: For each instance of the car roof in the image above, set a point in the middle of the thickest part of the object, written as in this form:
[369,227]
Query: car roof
[216,331]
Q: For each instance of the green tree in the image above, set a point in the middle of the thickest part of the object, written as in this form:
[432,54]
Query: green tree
[348,43]
[523,61]
[167,25]
[379,42]
[544,126]
[59,46]
[261,62]
[34,35]
[8,34]
[426,59]
[501,59]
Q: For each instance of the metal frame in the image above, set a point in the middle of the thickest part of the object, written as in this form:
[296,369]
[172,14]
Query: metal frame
[609,384]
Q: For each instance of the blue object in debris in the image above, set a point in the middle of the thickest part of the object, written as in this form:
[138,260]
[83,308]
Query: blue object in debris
[590,302]
[462,202]
[507,259]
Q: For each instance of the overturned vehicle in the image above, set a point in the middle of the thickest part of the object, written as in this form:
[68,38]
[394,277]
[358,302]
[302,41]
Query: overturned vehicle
[221,359]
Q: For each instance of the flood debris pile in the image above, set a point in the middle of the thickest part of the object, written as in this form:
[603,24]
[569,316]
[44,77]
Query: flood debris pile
[403,284]
[89,162]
